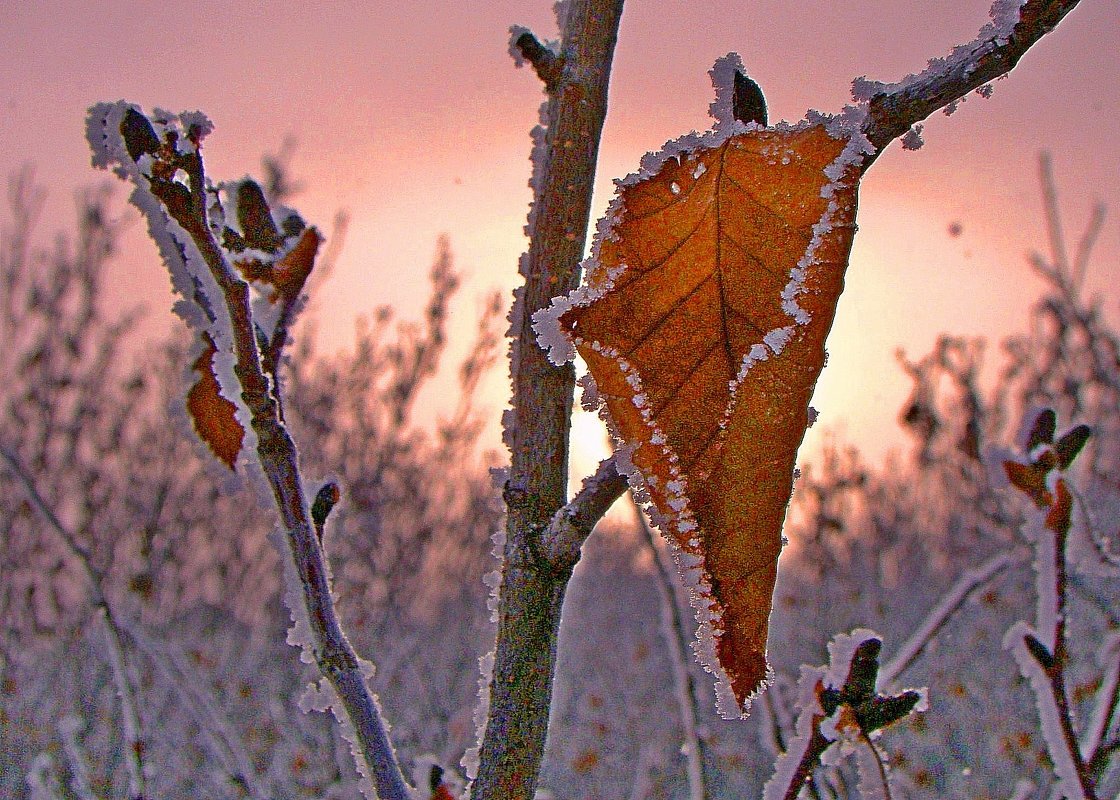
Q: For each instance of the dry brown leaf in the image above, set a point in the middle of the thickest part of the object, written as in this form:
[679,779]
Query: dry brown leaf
[213,416]
[703,326]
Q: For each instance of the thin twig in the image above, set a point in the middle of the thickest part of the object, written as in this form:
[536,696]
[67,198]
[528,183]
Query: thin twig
[951,602]
[114,629]
[676,637]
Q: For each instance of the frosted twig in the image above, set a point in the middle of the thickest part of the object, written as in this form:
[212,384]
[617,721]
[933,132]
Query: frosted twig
[1041,651]
[1036,664]
[771,706]
[215,728]
[114,629]
[893,111]
[572,524]
[180,218]
[948,605]
[531,592]
[676,637]
[1104,712]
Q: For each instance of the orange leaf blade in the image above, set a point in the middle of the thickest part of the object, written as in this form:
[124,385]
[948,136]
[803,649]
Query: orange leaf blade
[213,416]
[704,327]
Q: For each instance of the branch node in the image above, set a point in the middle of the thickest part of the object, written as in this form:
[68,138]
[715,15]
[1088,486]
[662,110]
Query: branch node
[548,64]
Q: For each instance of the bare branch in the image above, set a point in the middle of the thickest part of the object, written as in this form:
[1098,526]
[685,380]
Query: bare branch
[892,112]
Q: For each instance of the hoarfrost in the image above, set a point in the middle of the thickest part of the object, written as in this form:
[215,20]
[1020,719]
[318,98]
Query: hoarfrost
[778,338]
[912,139]
[723,81]
[493,581]
[589,396]
[471,756]
[840,651]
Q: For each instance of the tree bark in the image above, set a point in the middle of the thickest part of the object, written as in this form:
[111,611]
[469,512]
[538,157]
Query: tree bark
[532,589]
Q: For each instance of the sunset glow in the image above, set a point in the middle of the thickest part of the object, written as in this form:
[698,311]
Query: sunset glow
[416,123]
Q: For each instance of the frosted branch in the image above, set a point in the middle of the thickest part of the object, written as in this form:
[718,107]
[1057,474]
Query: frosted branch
[572,524]
[949,604]
[186,219]
[894,109]
[538,424]
[113,628]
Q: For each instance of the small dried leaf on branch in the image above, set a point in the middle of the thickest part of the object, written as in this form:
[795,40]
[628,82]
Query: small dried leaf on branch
[211,238]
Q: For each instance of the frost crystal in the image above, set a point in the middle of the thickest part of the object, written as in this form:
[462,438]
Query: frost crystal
[912,139]
[723,80]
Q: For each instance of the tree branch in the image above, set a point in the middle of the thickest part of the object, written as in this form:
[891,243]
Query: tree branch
[677,638]
[894,109]
[120,134]
[531,593]
[572,524]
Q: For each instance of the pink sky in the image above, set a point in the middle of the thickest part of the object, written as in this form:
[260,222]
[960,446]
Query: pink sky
[415,121]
